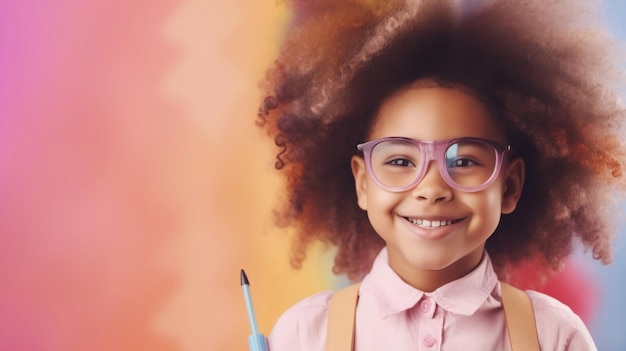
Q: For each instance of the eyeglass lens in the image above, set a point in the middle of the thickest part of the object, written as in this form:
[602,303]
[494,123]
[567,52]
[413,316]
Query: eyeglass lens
[468,163]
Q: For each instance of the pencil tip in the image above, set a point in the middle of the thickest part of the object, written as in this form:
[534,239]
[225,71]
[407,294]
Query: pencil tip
[244,278]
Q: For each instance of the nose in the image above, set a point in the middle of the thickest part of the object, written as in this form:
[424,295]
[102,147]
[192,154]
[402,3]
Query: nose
[432,188]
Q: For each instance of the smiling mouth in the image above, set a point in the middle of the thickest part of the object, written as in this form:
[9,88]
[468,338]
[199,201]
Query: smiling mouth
[426,223]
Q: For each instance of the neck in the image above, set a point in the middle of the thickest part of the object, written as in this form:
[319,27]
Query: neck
[431,280]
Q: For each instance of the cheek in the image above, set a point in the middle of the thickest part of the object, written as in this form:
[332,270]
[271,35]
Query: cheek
[381,205]
[486,208]
[380,201]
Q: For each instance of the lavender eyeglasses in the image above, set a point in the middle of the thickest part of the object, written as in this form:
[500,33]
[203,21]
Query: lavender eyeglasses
[467,164]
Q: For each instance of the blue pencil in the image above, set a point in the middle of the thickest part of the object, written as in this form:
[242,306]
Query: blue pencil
[256,340]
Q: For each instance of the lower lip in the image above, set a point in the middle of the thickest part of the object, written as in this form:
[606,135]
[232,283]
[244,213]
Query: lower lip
[430,233]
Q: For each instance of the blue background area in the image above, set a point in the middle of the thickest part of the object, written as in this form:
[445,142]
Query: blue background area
[609,325]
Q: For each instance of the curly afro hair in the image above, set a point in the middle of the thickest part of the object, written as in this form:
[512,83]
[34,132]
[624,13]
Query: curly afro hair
[547,70]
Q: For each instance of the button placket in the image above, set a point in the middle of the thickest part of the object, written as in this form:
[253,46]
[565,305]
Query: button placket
[430,325]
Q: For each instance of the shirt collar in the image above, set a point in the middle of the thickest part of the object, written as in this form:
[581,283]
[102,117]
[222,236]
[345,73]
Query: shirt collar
[463,296]
[391,293]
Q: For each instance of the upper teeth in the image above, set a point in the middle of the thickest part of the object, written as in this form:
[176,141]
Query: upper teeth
[429,224]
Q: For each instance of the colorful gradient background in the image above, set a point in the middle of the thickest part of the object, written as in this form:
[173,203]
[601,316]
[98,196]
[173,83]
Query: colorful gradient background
[134,184]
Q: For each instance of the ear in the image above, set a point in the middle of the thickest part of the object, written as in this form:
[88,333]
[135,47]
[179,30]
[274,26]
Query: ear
[513,184]
[360,180]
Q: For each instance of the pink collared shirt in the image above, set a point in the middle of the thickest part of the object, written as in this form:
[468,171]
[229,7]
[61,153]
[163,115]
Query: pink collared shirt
[465,314]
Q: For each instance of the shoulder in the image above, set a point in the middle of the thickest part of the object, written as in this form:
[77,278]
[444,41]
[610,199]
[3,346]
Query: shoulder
[303,326]
[559,328]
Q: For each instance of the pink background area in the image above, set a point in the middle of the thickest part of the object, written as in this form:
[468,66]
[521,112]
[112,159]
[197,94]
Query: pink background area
[134,184]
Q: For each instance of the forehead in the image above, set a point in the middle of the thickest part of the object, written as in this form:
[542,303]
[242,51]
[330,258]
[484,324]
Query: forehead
[435,113]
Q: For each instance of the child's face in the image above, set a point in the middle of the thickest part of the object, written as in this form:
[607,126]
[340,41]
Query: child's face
[428,256]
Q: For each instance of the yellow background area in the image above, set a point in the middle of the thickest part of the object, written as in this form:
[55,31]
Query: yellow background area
[225,50]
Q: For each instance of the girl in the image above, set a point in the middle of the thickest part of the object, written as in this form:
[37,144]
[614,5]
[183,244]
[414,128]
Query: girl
[438,145]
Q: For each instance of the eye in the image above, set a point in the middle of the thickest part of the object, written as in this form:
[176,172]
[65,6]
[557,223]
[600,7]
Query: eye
[400,162]
[461,162]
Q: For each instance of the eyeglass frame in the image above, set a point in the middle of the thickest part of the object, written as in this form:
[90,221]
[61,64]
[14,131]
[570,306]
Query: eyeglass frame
[433,150]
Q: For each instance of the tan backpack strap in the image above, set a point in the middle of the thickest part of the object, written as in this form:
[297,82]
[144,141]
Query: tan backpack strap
[520,319]
[341,319]
[518,312]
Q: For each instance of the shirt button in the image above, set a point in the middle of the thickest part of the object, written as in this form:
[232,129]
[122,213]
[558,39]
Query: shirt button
[425,306]
[429,341]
